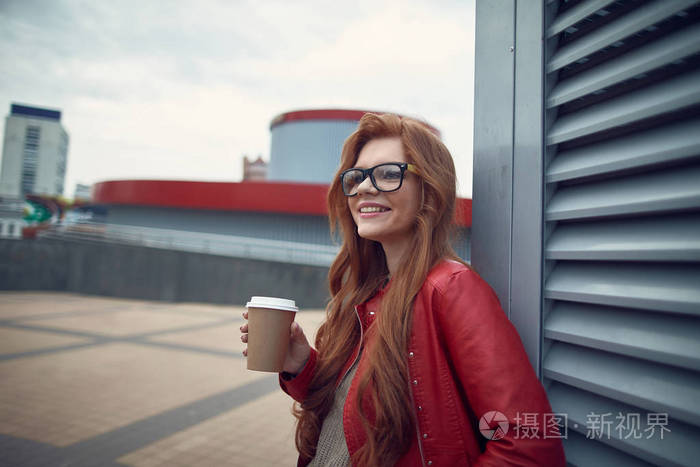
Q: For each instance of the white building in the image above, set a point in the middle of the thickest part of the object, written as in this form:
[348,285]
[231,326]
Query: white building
[83,192]
[11,217]
[34,153]
[254,170]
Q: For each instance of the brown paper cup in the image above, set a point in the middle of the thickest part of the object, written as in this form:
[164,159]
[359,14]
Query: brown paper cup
[269,320]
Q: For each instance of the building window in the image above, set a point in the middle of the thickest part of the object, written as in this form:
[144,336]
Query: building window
[30,158]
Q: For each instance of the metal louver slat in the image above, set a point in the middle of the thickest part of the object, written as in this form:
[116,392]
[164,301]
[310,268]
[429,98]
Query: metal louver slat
[672,189]
[649,286]
[579,452]
[651,386]
[637,20]
[576,14]
[635,333]
[653,55]
[668,238]
[673,94]
[667,144]
[678,447]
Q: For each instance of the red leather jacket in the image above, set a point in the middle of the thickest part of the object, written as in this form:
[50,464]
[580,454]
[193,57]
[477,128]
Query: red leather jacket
[465,359]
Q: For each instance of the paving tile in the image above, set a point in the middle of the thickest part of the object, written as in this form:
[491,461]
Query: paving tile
[109,385]
[224,338]
[123,323]
[213,309]
[35,300]
[310,320]
[14,341]
[262,432]
[18,305]
[227,337]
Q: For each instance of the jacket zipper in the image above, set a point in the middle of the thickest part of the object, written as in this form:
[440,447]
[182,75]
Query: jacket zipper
[415,417]
[410,391]
[358,352]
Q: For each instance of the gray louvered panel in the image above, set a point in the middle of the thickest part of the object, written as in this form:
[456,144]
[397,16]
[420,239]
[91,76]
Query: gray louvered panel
[666,144]
[660,338]
[576,14]
[584,452]
[678,447]
[649,286]
[667,238]
[656,192]
[651,386]
[656,54]
[666,96]
[636,20]
[622,211]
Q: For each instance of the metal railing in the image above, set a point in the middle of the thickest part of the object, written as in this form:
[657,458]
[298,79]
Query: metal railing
[197,242]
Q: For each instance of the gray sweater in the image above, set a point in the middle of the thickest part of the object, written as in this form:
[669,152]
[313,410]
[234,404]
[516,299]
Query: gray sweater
[332,450]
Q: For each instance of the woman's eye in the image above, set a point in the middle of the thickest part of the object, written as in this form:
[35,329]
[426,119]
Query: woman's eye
[390,174]
[354,178]
[357,178]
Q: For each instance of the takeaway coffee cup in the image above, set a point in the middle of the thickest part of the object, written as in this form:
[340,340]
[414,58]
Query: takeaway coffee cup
[269,320]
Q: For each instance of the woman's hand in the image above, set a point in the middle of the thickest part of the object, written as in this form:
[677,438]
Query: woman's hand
[297,353]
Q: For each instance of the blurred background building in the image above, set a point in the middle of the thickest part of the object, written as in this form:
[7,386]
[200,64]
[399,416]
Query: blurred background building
[35,152]
[254,170]
[11,217]
[277,213]
[83,193]
[33,171]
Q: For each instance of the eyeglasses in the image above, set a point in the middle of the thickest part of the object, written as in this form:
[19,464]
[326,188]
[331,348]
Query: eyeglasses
[384,177]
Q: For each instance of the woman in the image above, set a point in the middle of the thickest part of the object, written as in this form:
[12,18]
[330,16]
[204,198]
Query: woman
[415,348]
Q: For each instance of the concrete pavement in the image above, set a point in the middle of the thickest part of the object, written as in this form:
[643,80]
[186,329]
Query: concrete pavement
[96,381]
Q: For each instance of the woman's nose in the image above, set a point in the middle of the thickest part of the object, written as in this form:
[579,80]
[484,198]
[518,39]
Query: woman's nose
[366,186]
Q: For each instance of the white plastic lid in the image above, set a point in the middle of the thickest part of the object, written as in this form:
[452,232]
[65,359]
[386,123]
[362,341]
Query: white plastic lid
[272,302]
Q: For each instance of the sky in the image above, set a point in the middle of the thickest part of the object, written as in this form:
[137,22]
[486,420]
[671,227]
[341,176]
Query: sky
[182,89]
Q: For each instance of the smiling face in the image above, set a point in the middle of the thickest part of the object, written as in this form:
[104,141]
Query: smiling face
[385,217]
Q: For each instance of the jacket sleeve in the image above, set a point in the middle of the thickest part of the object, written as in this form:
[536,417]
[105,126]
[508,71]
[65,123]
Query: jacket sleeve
[298,386]
[495,374]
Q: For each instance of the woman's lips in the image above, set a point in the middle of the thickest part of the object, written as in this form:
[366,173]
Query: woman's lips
[367,215]
[370,210]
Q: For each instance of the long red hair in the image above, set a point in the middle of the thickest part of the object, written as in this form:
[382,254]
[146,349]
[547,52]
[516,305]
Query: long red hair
[355,275]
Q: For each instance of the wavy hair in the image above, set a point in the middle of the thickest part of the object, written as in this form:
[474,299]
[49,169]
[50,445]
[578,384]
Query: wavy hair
[356,274]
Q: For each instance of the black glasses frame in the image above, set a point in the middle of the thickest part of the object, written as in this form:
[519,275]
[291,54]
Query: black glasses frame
[403,166]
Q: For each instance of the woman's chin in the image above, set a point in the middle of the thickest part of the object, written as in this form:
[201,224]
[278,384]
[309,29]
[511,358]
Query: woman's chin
[369,234]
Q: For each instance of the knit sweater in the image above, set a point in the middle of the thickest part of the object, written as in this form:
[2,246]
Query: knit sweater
[332,450]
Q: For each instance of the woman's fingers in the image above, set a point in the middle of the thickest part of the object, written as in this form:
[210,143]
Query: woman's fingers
[296,334]
[244,334]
